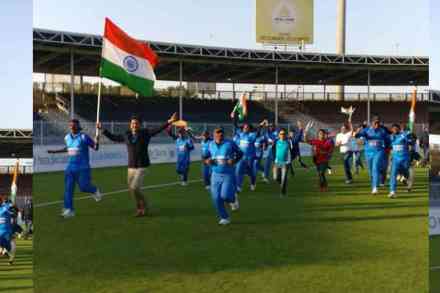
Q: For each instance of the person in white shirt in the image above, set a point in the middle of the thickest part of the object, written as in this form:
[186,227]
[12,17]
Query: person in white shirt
[344,141]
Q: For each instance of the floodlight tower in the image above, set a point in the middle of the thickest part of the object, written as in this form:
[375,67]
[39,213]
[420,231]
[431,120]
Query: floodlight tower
[340,39]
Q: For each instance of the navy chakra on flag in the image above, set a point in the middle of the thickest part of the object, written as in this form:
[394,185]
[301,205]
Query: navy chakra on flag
[130,63]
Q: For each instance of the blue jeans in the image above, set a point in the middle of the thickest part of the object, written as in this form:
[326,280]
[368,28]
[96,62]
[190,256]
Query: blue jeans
[268,165]
[223,190]
[347,158]
[73,177]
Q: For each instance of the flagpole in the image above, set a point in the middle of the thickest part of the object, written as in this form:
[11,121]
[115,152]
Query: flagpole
[98,107]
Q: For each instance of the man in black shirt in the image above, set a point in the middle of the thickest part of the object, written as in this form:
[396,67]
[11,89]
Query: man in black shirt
[424,145]
[137,140]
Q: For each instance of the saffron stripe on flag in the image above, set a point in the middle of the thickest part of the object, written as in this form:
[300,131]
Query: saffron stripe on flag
[126,43]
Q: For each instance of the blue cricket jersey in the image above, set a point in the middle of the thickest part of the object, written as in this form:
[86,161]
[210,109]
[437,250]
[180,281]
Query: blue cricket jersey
[259,146]
[400,144]
[246,142]
[184,146]
[204,144]
[78,150]
[221,153]
[6,218]
[375,139]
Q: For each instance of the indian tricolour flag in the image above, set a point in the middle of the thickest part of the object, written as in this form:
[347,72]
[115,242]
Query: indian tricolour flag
[14,186]
[240,108]
[127,61]
[412,111]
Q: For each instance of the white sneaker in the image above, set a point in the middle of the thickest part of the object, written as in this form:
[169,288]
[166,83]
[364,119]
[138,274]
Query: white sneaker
[62,212]
[253,187]
[68,213]
[207,187]
[374,191]
[97,196]
[224,222]
[381,185]
[265,180]
[235,205]
[184,183]
[348,181]
[392,194]
[329,171]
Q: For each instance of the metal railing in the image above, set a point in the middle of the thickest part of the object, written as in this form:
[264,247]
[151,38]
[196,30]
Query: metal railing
[297,95]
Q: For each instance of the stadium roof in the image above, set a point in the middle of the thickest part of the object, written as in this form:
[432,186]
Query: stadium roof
[55,50]
[15,143]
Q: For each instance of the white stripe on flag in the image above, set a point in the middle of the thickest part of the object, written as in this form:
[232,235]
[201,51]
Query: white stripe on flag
[116,56]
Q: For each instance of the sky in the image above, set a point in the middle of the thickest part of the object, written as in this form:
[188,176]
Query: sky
[434,61]
[16,63]
[391,27]
[374,26]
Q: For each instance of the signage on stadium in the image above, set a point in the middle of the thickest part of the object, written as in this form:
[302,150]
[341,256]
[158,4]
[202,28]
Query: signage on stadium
[284,21]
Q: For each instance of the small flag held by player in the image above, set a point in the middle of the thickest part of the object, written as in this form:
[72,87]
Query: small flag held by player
[412,111]
[14,186]
[240,108]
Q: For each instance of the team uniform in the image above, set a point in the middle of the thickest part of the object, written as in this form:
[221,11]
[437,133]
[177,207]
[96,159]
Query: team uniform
[223,186]
[246,166]
[400,160]
[7,213]
[375,142]
[184,146]
[260,146]
[78,168]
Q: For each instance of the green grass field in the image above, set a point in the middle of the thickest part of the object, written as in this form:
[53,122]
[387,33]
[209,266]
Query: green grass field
[342,241]
[435,264]
[18,277]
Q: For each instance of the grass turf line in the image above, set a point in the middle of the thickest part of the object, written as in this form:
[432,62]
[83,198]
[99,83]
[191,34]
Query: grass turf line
[342,241]
[18,277]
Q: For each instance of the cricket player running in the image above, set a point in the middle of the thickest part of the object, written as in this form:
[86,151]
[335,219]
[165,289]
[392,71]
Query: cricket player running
[246,137]
[8,211]
[184,147]
[137,140]
[260,147]
[400,159]
[222,155]
[375,138]
[78,166]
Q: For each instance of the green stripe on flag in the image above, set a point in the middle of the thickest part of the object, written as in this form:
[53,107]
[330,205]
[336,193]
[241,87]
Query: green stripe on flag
[140,85]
